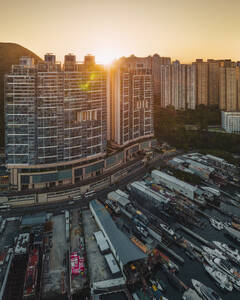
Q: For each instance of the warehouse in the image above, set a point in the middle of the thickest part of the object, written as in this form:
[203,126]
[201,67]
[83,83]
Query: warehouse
[174,184]
[123,249]
[199,169]
[120,198]
[142,190]
[220,162]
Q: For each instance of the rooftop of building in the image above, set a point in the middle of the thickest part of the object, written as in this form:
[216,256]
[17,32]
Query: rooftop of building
[27,64]
[123,201]
[199,165]
[174,180]
[125,249]
[32,220]
[141,185]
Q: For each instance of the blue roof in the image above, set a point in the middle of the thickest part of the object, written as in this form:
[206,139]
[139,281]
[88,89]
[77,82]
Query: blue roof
[35,219]
[126,250]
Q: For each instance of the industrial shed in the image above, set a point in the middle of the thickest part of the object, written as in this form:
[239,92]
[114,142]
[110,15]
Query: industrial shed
[123,249]
[142,190]
[119,198]
[174,184]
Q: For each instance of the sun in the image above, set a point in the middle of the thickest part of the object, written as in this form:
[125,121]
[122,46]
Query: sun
[106,57]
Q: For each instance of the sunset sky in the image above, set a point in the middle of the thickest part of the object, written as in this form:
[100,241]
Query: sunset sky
[181,29]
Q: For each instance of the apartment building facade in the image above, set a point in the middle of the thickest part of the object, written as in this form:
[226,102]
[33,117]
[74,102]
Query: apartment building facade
[178,85]
[131,100]
[166,83]
[191,86]
[202,82]
[55,118]
[213,82]
[229,88]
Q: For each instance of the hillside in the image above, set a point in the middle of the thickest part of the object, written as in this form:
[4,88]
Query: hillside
[9,55]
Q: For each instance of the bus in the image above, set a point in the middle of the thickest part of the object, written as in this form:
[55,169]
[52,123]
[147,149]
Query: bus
[90,194]
[77,198]
[5,207]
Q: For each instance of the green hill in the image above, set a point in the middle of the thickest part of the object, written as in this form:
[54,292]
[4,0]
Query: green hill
[9,55]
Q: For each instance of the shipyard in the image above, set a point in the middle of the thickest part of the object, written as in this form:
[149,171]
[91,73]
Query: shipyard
[154,237]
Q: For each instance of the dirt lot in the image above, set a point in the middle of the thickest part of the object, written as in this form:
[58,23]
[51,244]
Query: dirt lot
[98,268]
[55,267]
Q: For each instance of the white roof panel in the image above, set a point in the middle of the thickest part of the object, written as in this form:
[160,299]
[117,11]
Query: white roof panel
[114,196]
[112,263]
[215,158]
[178,160]
[101,241]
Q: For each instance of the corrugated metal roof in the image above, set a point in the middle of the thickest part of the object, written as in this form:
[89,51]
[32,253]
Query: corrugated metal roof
[188,171]
[141,186]
[123,201]
[199,165]
[215,158]
[125,249]
[174,180]
[121,193]
[178,160]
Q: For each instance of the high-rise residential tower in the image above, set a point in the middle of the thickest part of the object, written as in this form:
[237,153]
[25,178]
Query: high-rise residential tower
[191,86]
[54,118]
[131,100]
[202,82]
[166,82]
[178,85]
[213,82]
[229,88]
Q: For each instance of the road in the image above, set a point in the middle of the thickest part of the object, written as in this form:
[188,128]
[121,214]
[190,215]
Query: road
[56,207]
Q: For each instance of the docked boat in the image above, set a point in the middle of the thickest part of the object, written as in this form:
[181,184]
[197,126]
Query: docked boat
[224,265]
[235,234]
[205,292]
[167,229]
[238,196]
[168,263]
[227,224]
[191,294]
[231,251]
[214,252]
[213,191]
[227,268]
[208,258]
[216,224]
[157,284]
[163,285]
[220,278]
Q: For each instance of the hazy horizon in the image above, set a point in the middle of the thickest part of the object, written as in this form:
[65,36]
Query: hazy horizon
[183,30]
